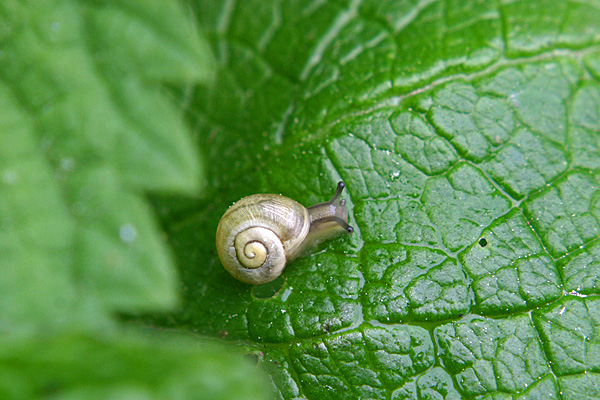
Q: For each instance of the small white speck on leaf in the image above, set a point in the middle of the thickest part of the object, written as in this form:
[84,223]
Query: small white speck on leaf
[10,177]
[127,233]
[562,311]
[67,163]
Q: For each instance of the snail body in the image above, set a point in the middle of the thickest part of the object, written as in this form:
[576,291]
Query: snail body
[260,233]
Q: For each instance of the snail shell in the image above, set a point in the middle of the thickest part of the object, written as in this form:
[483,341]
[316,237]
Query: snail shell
[259,234]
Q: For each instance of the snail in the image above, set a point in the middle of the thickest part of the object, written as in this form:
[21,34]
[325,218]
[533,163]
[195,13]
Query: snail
[260,233]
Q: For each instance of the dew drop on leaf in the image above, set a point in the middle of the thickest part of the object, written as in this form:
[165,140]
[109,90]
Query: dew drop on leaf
[127,233]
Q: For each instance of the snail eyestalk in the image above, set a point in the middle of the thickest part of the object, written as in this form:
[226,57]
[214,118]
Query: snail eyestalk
[328,219]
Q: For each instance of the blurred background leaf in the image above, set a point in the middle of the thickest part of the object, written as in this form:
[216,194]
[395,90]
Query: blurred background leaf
[87,129]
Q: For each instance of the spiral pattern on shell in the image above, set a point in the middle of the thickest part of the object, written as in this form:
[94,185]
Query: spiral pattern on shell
[259,234]
[257,245]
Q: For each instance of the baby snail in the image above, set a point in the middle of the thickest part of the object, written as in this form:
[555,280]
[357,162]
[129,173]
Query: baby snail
[259,234]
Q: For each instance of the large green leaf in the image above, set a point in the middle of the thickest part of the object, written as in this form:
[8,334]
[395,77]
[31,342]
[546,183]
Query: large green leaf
[468,134]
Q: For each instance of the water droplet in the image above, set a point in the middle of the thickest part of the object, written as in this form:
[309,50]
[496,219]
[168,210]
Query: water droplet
[10,177]
[127,233]
[67,163]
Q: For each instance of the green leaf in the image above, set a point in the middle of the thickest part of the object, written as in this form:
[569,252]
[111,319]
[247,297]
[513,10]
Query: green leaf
[80,365]
[82,123]
[467,133]
[36,287]
[87,127]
